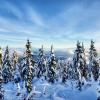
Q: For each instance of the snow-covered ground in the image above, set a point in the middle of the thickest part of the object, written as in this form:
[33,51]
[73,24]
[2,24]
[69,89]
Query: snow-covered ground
[43,90]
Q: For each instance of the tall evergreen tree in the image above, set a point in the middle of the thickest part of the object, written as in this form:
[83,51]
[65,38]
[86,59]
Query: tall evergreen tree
[16,73]
[41,63]
[14,60]
[7,67]
[52,66]
[85,67]
[70,70]
[1,78]
[28,68]
[1,87]
[93,62]
[0,56]
[64,74]
[79,64]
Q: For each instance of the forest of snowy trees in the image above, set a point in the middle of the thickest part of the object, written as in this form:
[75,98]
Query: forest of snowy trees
[23,70]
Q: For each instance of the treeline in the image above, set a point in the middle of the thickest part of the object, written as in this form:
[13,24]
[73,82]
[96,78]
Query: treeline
[50,69]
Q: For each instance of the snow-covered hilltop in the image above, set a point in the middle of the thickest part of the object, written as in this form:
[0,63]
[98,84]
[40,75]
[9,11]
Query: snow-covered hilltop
[49,77]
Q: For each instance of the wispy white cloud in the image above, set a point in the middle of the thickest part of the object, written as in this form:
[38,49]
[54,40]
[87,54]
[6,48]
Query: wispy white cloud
[33,16]
[76,21]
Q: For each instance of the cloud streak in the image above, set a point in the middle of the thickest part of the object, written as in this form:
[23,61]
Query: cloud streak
[76,21]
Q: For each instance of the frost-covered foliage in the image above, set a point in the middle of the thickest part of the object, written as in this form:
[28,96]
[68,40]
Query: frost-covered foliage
[1,85]
[41,63]
[28,68]
[52,66]
[79,64]
[7,66]
[1,78]
[47,77]
[93,62]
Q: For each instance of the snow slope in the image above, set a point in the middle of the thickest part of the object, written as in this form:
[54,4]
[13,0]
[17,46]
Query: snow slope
[43,90]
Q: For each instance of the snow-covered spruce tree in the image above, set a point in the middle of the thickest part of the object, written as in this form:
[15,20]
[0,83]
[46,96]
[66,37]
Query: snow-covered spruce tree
[85,67]
[1,88]
[27,54]
[59,69]
[70,70]
[93,62]
[16,73]
[0,56]
[22,65]
[28,68]
[52,66]
[41,63]
[79,65]
[14,59]
[28,81]
[1,78]
[7,67]
[64,74]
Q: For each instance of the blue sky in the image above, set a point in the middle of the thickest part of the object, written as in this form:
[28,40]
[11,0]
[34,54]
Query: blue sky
[58,22]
